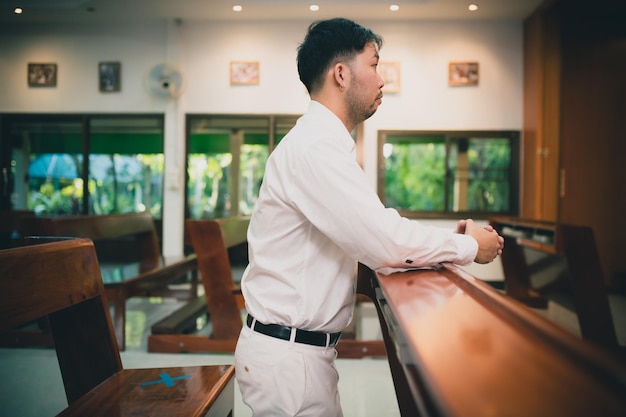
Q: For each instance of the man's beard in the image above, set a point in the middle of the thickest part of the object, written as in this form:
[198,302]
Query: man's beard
[358,109]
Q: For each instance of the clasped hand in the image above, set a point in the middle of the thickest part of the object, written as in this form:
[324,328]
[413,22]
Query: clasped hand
[490,243]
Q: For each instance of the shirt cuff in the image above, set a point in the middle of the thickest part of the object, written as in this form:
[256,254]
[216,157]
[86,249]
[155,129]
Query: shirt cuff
[467,248]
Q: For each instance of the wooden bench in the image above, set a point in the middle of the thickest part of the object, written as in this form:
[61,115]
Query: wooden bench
[62,281]
[457,347]
[211,240]
[544,260]
[182,320]
[202,234]
[129,256]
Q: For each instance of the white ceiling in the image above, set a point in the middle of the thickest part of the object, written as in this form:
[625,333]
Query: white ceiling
[112,10]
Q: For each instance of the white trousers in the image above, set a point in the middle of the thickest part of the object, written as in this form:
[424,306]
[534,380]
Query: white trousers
[282,378]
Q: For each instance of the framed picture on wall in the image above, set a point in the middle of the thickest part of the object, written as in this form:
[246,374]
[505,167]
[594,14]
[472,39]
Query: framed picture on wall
[390,73]
[463,73]
[42,75]
[109,76]
[244,72]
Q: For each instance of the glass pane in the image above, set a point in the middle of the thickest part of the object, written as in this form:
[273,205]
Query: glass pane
[415,174]
[54,183]
[253,158]
[226,158]
[126,183]
[47,155]
[125,170]
[225,164]
[480,171]
[126,165]
[208,185]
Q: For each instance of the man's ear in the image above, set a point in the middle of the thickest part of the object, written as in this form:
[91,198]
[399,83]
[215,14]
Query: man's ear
[340,73]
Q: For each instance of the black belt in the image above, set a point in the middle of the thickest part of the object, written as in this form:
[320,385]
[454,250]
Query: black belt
[302,336]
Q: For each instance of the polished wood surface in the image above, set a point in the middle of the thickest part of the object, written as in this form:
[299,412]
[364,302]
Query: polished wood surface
[210,240]
[61,281]
[101,228]
[129,254]
[201,391]
[460,348]
[182,320]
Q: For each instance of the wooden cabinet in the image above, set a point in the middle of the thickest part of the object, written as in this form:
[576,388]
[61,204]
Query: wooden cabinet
[540,152]
[574,131]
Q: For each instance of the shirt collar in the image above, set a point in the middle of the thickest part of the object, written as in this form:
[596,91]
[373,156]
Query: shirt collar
[331,121]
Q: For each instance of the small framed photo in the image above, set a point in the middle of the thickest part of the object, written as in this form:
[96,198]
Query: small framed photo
[390,73]
[109,76]
[42,75]
[463,73]
[244,72]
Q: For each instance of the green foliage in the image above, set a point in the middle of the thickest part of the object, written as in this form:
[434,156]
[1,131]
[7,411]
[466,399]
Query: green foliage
[116,184]
[415,176]
[54,197]
[210,182]
[417,179]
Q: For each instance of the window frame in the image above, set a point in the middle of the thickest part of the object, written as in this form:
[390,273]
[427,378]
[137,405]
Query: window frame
[514,169]
[81,120]
[237,124]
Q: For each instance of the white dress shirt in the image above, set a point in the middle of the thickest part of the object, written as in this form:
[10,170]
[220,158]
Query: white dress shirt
[316,216]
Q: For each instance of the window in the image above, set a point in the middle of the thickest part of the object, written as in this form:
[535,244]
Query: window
[446,173]
[226,157]
[126,164]
[86,164]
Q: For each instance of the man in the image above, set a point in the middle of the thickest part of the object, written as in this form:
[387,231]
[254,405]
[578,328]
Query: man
[316,216]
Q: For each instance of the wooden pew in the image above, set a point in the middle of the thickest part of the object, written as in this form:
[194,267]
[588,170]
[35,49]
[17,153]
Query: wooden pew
[211,239]
[457,347]
[129,255]
[62,281]
[543,259]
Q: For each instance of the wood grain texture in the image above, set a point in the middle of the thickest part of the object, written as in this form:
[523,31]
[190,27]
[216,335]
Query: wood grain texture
[462,349]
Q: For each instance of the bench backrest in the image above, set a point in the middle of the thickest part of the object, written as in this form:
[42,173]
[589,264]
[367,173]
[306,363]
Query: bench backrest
[127,237]
[61,280]
[210,240]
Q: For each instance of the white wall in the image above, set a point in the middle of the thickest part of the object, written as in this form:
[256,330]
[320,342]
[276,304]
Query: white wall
[77,50]
[203,51]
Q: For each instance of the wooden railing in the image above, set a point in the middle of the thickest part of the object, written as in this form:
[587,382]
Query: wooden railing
[457,347]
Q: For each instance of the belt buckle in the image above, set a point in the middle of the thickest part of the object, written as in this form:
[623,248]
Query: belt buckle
[331,342]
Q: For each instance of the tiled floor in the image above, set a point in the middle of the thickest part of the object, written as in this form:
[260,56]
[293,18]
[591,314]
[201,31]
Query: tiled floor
[30,381]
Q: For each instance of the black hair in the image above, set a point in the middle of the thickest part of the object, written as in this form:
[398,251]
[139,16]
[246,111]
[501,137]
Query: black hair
[327,42]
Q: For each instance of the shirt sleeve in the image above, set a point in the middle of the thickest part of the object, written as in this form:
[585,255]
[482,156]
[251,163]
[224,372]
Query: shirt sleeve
[332,191]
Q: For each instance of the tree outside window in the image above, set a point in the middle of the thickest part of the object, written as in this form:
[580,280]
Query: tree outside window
[440,174]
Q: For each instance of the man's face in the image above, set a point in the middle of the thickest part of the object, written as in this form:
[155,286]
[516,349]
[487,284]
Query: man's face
[364,94]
